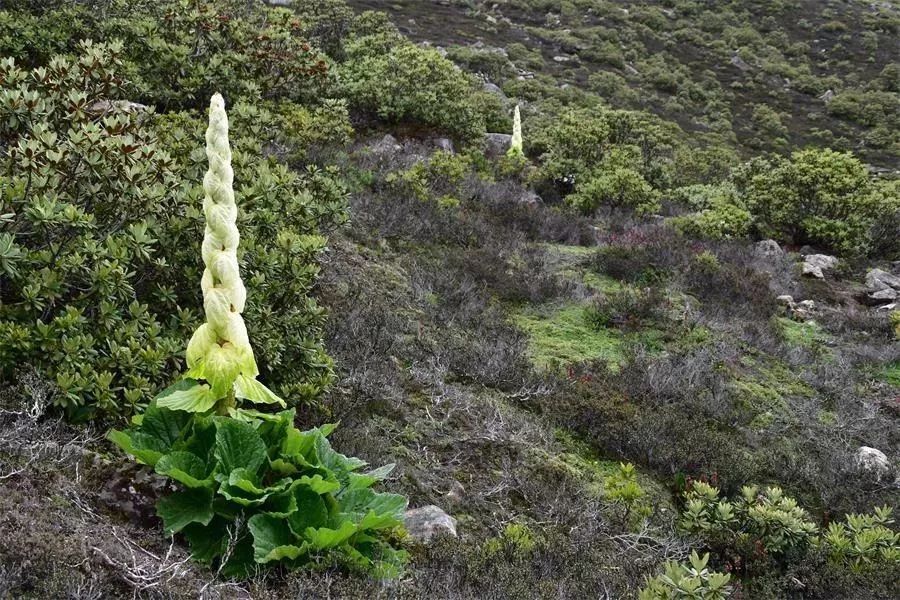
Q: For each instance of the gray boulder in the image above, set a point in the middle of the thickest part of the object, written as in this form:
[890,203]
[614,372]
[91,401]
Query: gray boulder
[815,265]
[387,145]
[877,280]
[496,144]
[767,250]
[873,460]
[493,88]
[427,522]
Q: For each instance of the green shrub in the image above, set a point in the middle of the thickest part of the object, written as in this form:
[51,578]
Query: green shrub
[863,542]
[255,490]
[397,81]
[103,229]
[819,197]
[768,517]
[618,188]
[177,54]
[625,493]
[687,581]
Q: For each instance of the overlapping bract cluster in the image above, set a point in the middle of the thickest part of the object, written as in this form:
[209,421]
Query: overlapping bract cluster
[221,345]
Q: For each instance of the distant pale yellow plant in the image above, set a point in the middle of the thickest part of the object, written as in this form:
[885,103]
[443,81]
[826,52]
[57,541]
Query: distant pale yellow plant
[515,145]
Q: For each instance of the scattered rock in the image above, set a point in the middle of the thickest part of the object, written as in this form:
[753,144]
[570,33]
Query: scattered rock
[492,88]
[785,300]
[873,460]
[877,279]
[529,198]
[767,250]
[444,144]
[631,70]
[562,59]
[815,265]
[827,97]
[886,295]
[740,63]
[457,492]
[426,522]
[387,145]
[800,311]
[496,144]
[279,2]
[104,106]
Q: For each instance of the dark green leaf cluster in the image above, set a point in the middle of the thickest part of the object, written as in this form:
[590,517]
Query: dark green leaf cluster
[100,228]
[386,75]
[257,491]
[177,54]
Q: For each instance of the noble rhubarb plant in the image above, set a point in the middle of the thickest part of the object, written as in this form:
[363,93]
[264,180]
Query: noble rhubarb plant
[255,490]
[515,145]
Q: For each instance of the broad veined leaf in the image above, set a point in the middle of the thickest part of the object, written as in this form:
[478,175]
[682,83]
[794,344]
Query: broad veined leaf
[183,508]
[319,485]
[185,468]
[273,539]
[221,367]
[250,389]
[162,427]
[364,480]
[125,441]
[335,461]
[371,510]
[238,446]
[311,511]
[207,541]
[187,395]
[323,538]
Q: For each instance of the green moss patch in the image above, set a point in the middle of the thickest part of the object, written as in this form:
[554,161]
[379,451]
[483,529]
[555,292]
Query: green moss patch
[562,336]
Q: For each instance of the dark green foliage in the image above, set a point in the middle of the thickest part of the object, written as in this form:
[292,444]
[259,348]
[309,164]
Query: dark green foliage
[817,197]
[177,54]
[102,227]
[255,490]
[386,75]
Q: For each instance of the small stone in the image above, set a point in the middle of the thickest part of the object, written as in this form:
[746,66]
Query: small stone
[387,145]
[492,88]
[457,492]
[444,144]
[815,265]
[873,460]
[885,295]
[786,300]
[427,522]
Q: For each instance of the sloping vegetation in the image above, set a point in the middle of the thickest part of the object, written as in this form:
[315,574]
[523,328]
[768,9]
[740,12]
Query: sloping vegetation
[590,342]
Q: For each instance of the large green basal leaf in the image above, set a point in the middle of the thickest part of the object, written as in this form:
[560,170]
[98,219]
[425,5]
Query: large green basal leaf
[238,446]
[371,510]
[160,431]
[320,485]
[335,461]
[323,538]
[125,441]
[207,541]
[188,395]
[273,539]
[185,468]
[310,512]
[364,480]
[183,508]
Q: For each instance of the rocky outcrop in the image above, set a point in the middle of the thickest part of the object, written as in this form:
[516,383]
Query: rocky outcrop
[882,287]
[815,265]
[427,522]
